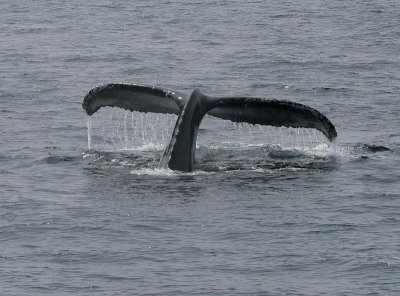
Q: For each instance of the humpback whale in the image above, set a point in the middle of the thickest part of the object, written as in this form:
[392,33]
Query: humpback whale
[180,152]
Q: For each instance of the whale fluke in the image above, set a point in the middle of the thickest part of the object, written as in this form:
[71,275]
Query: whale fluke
[273,113]
[180,152]
[134,98]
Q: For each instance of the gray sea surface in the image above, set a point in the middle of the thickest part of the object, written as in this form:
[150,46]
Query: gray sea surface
[267,211]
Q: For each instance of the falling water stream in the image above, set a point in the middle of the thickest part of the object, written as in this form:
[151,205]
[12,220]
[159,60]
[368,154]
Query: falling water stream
[114,129]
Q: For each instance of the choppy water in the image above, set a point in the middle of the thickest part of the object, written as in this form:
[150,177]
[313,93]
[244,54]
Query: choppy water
[262,214]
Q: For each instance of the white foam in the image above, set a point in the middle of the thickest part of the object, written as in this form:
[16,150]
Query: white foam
[166,172]
[147,147]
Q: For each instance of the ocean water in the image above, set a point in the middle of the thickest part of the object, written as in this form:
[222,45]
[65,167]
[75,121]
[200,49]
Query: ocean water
[266,211]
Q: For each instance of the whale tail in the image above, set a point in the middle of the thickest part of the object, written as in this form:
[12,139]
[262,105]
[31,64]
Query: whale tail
[180,152]
[133,97]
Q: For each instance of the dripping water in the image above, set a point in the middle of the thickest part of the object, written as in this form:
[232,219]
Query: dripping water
[334,147]
[113,129]
[89,131]
[285,137]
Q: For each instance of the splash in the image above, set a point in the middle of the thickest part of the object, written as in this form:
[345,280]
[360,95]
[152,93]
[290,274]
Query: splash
[153,172]
[167,172]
